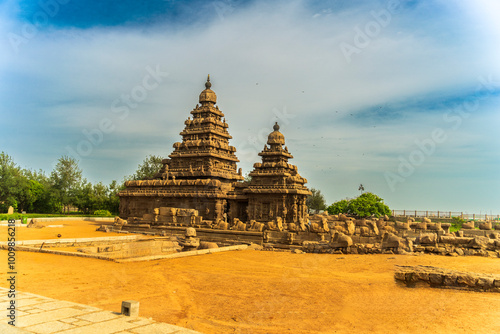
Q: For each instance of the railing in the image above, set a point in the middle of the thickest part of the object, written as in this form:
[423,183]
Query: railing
[444,214]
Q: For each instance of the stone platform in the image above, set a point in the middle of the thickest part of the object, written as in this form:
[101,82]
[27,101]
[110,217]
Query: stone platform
[42,315]
[446,279]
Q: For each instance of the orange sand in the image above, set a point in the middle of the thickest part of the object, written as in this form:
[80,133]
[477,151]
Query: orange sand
[269,292]
[70,229]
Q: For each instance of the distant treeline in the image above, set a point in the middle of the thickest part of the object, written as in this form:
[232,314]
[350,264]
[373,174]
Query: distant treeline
[36,192]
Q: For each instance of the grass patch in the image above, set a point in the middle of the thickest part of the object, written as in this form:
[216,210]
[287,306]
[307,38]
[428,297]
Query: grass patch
[18,216]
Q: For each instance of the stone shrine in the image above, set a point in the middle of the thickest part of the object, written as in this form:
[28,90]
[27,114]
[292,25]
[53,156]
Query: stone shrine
[276,189]
[201,174]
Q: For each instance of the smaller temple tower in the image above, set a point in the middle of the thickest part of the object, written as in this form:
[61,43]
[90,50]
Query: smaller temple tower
[276,188]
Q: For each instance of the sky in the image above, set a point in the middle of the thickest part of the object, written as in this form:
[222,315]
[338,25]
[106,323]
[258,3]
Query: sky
[400,96]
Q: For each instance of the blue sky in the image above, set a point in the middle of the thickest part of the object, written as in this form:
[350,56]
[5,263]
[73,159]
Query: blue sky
[401,96]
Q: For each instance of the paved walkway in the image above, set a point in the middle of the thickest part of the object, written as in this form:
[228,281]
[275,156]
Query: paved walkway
[42,315]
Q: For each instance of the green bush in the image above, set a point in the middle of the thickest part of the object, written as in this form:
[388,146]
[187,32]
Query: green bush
[338,207]
[7,217]
[104,213]
[456,224]
[365,205]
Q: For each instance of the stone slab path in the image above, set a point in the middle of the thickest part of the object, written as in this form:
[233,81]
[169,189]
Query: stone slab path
[42,315]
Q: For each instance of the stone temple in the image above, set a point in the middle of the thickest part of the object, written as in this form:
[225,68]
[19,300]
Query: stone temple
[201,174]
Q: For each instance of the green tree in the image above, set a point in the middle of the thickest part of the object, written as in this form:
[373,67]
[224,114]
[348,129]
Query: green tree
[113,202]
[33,191]
[13,184]
[66,179]
[316,201]
[338,207]
[368,204]
[42,194]
[364,205]
[148,168]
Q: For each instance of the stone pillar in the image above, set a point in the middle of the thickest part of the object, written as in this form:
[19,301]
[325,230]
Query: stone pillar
[130,308]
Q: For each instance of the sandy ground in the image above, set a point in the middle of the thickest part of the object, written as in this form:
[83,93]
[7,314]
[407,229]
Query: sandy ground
[269,292]
[70,229]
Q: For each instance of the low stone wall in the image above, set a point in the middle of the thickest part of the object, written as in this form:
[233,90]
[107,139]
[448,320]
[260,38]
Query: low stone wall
[448,279]
[340,234]
[184,254]
[139,248]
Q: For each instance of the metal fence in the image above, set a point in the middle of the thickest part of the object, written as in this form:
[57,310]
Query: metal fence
[444,214]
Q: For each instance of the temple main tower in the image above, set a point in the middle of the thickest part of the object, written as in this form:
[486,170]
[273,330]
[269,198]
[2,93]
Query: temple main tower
[200,172]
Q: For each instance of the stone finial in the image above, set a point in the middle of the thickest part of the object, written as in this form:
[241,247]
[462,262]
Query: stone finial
[276,127]
[208,84]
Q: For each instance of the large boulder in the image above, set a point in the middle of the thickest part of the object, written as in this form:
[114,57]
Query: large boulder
[468,225]
[421,226]
[427,239]
[485,226]
[434,226]
[381,223]
[478,242]
[350,227]
[360,222]
[403,225]
[340,240]
[389,240]
[207,245]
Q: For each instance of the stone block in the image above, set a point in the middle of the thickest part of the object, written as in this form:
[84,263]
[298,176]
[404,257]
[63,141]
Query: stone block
[167,211]
[485,226]
[468,225]
[450,279]
[478,242]
[148,217]
[98,316]
[421,226]
[130,308]
[49,327]
[400,276]
[427,238]
[435,279]
[402,225]
[422,276]
[485,283]
[466,280]
[474,233]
